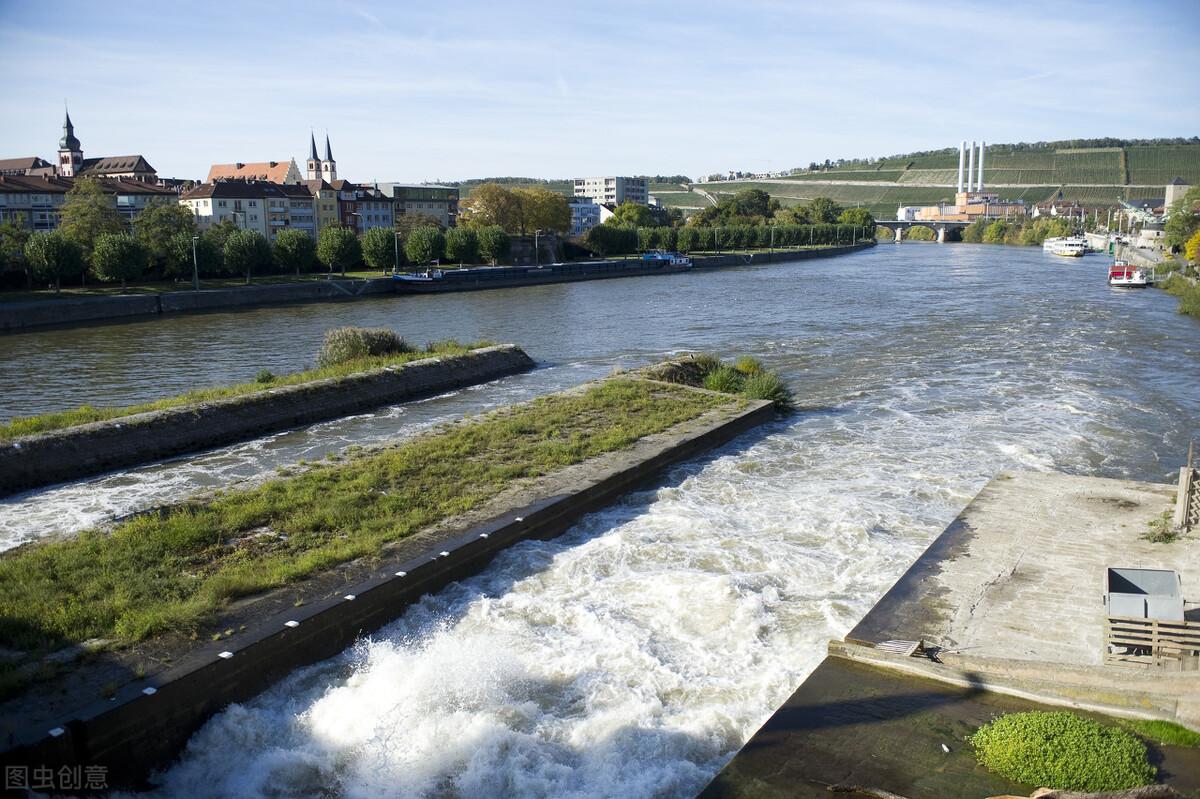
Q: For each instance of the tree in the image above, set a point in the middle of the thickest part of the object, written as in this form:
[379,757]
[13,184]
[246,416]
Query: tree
[337,248]
[294,250]
[628,213]
[1184,219]
[379,248]
[494,243]
[13,238]
[995,232]
[245,250]
[158,223]
[822,211]
[542,209]
[220,232]
[1191,250]
[184,255]
[119,256]
[425,244]
[612,239]
[492,204]
[53,256]
[89,212]
[860,217]
[462,245]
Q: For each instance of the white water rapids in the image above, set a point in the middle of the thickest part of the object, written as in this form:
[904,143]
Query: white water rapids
[632,656]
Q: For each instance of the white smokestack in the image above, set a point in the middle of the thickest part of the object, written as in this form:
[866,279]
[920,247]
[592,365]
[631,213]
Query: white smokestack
[971,169]
[962,157]
[979,183]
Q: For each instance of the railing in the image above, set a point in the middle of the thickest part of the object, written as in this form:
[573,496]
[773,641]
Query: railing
[1157,643]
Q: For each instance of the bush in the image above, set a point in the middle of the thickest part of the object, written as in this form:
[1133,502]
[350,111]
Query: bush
[264,376]
[747,365]
[725,379]
[762,385]
[349,343]
[1062,750]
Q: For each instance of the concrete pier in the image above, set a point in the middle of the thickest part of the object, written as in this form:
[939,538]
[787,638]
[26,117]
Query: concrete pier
[1010,601]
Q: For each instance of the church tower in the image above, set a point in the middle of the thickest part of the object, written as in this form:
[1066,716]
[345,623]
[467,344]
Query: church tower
[314,163]
[70,153]
[328,165]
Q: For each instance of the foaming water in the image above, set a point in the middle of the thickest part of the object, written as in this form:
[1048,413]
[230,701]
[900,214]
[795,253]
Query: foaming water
[633,655]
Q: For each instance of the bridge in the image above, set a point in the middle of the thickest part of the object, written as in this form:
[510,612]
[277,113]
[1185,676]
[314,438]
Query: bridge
[898,226]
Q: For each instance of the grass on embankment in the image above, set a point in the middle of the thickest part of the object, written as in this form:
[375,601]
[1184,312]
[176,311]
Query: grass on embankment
[1187,292]
[42,423]
[172,571]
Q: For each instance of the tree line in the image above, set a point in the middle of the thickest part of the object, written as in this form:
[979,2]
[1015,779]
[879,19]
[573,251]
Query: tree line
[94,240]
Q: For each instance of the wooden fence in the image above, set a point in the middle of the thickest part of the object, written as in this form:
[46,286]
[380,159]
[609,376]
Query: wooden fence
[1160,644]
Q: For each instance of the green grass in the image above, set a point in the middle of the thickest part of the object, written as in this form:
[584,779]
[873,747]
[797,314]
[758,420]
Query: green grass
[746,377]
[1164,733]
[1062,750]
[173,570]
[29,425]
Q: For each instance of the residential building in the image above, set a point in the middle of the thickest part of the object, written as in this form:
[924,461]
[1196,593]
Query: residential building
[613,189]
[325,204]
[35,201]
[438,202]
[282,172]
[258,205]
[363,207]
[585,215]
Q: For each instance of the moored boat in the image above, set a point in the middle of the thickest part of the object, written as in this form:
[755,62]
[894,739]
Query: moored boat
[1069,246]
[1124,275]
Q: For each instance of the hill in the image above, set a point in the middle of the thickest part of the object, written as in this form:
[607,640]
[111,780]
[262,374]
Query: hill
[1097,172]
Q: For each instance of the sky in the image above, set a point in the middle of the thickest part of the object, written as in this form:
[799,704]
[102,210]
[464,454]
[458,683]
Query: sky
[425,91]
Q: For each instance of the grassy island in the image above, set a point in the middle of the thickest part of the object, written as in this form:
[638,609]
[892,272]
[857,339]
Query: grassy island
[170,571]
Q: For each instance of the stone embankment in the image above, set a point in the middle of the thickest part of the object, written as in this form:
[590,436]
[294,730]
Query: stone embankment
[86,449]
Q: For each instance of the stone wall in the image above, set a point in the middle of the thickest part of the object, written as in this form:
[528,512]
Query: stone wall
[96,447]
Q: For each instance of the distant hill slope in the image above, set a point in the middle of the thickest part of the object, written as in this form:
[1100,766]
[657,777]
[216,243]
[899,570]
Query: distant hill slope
[1090,175]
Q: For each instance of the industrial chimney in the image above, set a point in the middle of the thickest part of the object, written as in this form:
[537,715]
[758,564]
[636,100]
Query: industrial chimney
[971,169]
[979,182]
[962,157]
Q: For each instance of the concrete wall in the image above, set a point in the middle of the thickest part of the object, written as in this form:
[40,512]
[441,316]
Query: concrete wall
[147,722]
[717,261]
[87,449]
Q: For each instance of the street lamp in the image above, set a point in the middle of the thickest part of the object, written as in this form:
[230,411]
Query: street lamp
[396,241]
[536,260]
[195,265]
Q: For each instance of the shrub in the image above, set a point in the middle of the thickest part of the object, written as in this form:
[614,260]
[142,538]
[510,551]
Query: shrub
[747,365]
[1062,750]
[725,379]
[348,343]
[264,376]
[767,386]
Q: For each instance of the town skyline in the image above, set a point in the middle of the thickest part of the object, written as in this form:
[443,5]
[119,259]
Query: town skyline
[638,108]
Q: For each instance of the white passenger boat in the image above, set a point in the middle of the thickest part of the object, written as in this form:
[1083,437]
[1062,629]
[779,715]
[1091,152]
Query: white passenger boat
[1123,275]
[1069,246]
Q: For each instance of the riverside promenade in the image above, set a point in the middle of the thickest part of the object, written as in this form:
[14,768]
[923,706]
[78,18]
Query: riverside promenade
[1008,603]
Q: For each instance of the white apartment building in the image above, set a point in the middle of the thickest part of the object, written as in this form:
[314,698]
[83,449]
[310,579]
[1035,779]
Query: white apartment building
[613,190]
[252,205]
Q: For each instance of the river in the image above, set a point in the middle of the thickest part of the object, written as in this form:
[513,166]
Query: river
[632,656]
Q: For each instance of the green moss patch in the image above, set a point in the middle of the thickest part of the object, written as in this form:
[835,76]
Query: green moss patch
[29,425]
[1062,750]
[173,570]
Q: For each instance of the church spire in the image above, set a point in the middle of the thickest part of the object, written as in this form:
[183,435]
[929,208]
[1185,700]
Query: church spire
[70,153]
[312,152]
[68,141]
[328,152]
